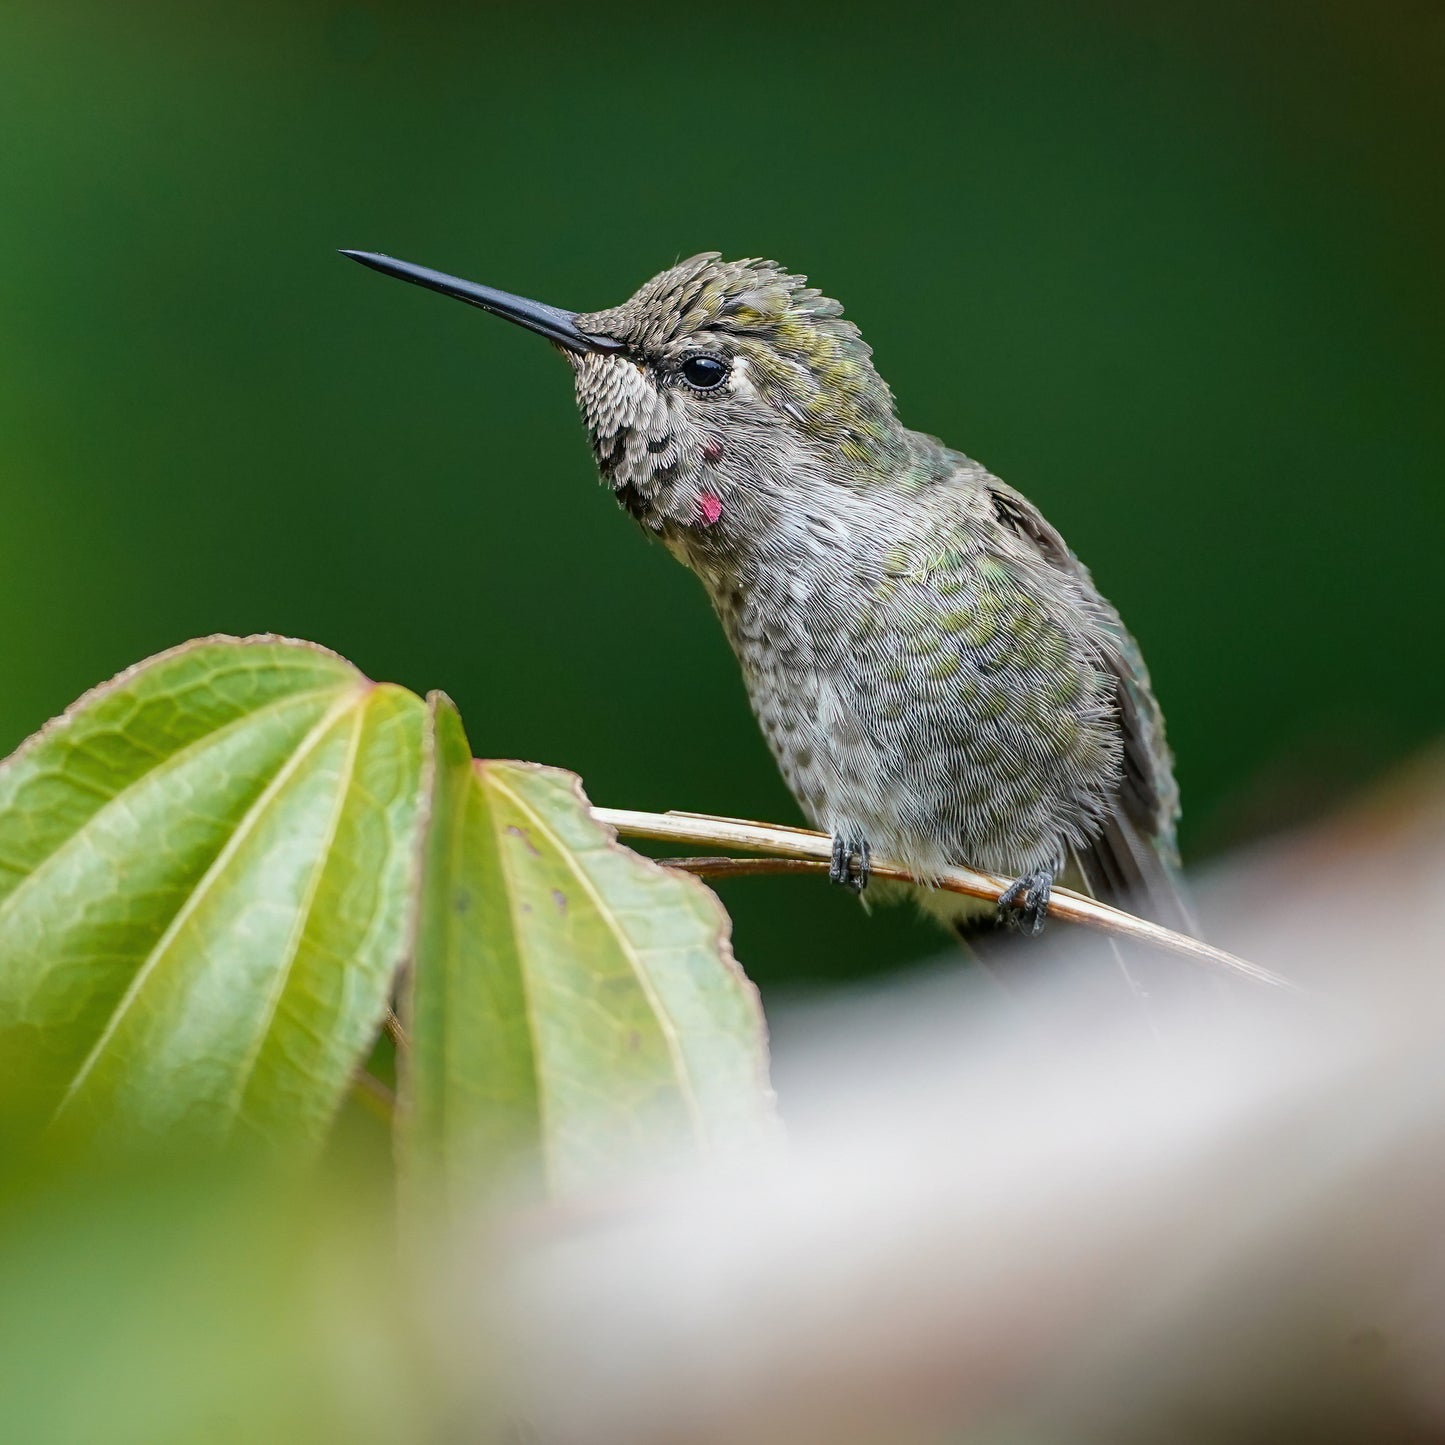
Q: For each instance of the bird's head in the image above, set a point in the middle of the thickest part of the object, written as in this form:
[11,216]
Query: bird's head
[714,392]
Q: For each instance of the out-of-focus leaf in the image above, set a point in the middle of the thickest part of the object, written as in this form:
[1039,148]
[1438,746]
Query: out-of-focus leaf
[190,1301]
[204,874]
[575,1011]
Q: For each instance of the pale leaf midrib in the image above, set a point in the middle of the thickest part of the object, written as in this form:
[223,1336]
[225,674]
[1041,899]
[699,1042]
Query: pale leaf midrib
[666,1026]
[441,938]
[303,914]
[544,1134]
[152,776]
[247,822]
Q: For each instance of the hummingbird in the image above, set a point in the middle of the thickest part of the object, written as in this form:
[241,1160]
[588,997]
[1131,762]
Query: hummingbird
[934,670]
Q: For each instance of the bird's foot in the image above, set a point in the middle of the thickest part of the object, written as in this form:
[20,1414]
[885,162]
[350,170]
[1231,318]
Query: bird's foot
[1024,904]
[849,866]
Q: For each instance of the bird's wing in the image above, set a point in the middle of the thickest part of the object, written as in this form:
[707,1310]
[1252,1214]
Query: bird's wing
[1134,859]
[969,666]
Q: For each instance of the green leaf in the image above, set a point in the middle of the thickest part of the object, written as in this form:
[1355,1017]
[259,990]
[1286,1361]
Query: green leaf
[204,877]
[575,1012]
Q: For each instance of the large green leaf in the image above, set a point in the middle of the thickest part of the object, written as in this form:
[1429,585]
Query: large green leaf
[204,877]
[575,1012]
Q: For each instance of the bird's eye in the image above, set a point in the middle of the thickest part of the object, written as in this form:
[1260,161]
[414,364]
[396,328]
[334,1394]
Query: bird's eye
[704,373]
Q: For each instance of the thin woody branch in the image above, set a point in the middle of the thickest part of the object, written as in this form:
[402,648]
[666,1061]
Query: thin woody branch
[797,850]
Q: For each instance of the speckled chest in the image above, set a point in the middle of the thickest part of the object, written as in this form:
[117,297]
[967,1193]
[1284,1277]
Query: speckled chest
[772,626]
[789,631]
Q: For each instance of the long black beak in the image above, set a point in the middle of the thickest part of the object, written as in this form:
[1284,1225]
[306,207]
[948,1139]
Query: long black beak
[549,321]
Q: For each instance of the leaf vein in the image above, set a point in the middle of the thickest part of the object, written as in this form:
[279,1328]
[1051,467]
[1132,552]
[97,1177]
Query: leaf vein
[203,884]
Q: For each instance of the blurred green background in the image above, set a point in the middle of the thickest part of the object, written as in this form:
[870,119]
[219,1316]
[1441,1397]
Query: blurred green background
[1174,270]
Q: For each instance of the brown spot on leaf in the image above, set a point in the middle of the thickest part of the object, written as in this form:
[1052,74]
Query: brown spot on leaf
[525,835]
[560,899]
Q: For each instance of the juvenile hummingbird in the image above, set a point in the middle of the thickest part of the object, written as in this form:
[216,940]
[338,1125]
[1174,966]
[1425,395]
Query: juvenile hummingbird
[934,670]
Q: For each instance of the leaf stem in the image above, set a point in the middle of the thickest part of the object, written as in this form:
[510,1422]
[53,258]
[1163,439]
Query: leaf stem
[797,850]
[373,1096]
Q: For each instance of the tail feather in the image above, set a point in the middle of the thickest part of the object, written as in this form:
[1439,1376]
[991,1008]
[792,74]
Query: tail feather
[1132,871]
[1129,870]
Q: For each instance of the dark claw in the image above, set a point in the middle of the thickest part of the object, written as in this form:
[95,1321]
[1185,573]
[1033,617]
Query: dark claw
[1024,905]
[849,864]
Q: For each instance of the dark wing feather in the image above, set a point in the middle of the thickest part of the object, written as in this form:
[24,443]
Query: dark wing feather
[1134,861]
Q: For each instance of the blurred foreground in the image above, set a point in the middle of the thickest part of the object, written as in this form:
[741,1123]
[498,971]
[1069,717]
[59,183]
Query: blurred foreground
[1003,1215]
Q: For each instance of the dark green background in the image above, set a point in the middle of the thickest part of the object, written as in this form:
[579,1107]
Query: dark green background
[1174,270]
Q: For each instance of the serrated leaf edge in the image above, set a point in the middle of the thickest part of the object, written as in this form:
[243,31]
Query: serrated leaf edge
[722,940]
